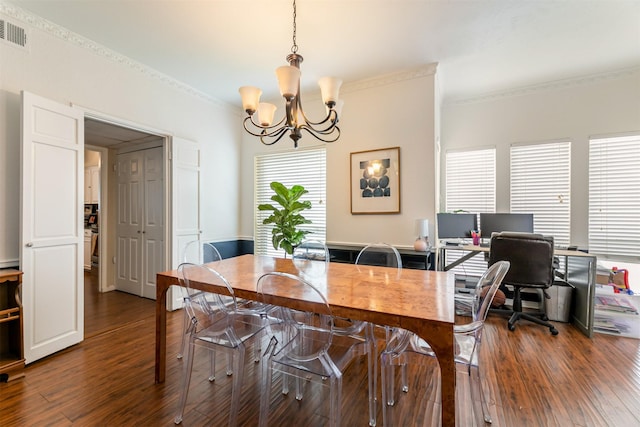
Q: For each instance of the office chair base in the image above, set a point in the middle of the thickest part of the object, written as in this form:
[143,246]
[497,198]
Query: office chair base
[540,321]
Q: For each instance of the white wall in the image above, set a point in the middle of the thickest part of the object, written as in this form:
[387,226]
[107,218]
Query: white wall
[75,71]
[575,110]
[388,111]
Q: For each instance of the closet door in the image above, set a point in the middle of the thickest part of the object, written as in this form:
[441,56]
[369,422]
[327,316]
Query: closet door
[140,223]
[129,222]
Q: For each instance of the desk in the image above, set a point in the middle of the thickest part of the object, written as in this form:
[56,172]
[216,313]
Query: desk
[417,300]
[579,269]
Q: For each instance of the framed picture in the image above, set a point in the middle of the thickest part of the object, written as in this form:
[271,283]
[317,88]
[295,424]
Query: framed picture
[375,181]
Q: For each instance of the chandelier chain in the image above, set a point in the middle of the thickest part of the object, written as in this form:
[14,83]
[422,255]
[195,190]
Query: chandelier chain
[294,48]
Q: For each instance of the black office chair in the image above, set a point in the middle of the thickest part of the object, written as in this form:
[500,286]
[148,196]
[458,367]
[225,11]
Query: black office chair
[532,266]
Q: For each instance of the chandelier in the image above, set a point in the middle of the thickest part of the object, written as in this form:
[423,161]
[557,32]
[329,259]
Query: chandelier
[295,120]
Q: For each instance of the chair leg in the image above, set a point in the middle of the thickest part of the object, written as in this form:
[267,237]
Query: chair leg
[185,328]
[477,392]
[236,390]
[335,400]
[186,380]
[405,382]
[267,379]
[386,375]
[372,373]
[212,363]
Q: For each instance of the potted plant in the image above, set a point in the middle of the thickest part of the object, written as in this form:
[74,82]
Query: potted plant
[287,218]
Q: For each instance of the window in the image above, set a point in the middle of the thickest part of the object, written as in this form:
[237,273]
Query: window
[614,197]
[471,180]
[470,186]
[302,167]
[541,184]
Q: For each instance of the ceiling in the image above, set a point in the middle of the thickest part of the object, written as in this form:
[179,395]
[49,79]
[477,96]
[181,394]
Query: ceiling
[102,134]
[482,46]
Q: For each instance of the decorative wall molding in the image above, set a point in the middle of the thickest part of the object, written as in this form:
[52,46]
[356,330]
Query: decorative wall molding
[552,85]
[70,37]
[386,79]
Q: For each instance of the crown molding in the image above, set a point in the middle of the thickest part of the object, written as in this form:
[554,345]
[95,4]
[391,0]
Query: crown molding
[546,86]
[64,34]
[395,77]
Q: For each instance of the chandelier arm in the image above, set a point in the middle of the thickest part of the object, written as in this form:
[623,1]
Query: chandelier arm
[274,126]
[264,130]
[277,135]
[329,119]
[325,131]
[317,136]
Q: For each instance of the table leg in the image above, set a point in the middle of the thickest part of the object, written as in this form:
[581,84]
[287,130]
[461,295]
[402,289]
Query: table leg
[448,382]
[440,338]
[161,329]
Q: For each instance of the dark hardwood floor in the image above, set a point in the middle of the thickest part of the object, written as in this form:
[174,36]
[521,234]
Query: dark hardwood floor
[532,378]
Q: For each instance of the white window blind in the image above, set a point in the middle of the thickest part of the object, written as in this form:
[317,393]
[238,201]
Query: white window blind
[302,167]
[471,180]
[470,186]
[541,185]
[614,197]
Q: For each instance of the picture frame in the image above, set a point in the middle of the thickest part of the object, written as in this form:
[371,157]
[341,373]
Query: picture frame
[375,181]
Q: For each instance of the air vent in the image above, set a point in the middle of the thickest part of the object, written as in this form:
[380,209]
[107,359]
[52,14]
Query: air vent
[13,34]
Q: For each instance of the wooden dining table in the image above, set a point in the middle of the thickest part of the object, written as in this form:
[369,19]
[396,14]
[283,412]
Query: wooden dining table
[421,301]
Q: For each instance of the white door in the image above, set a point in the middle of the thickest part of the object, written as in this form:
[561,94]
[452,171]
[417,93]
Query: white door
[51,245]
[186,191]
[129,223]
[140,221]
[153,220]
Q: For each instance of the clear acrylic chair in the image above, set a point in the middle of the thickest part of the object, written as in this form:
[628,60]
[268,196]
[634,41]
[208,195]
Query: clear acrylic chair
[405,347]
[196,252]
[381,254]
[216,325]
[375,254]
[310,351]
[311,258]
[311,250]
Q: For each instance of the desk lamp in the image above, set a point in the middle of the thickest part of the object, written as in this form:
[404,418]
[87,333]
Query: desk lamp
[422,242]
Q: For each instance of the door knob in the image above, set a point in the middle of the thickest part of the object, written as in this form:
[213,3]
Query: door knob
[29,245]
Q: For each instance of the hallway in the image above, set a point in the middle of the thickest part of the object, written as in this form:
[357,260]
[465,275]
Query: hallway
[109,311]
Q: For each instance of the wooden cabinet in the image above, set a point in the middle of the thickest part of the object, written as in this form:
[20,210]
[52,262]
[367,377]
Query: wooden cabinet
[11,344]
[87,249]
[410,259]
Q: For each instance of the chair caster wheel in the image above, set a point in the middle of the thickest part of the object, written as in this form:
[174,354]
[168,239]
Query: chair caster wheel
[544,317]
[512,327]
[553,330]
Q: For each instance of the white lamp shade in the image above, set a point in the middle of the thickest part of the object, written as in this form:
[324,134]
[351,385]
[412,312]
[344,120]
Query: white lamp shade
[266,111]
[330,88]
[288,80]
[422,227]
[250,97]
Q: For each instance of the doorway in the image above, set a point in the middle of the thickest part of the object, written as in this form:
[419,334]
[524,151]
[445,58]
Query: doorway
[109,137]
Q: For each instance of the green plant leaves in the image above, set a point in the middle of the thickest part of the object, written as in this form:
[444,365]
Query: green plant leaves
[286,219]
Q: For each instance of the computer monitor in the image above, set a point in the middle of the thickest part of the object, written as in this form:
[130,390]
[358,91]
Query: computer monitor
[456,226]
[499,222]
